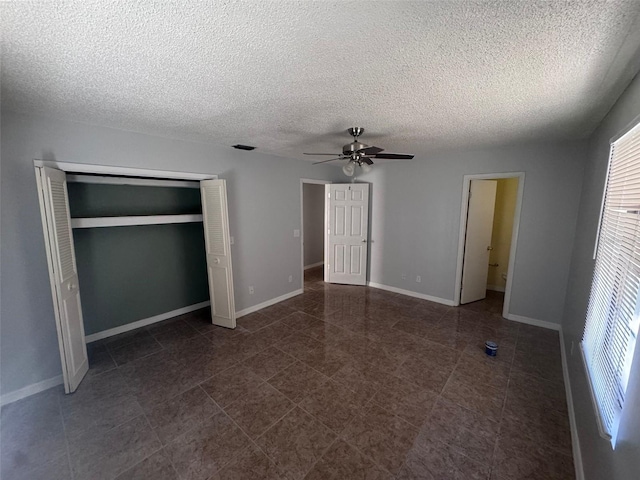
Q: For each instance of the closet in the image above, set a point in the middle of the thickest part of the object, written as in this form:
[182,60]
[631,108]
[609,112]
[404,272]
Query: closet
[144,244]
[130,236]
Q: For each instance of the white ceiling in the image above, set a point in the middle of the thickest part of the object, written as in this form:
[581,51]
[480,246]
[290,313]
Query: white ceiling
[289,77]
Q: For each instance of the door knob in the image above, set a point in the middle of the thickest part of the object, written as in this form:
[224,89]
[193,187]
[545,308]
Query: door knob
[364,240]
[489,247]
[216,260]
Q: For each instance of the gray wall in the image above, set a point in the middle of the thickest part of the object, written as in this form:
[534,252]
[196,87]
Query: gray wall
[599,460]
[313,205]
[264,209]
[416,220]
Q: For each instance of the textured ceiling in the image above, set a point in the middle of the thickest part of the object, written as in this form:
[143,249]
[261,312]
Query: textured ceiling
[289,77]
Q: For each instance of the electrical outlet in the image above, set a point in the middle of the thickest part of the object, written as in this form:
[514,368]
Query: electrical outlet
[251,290]
[418,279]
[296,233]
[404,276]
[290,278]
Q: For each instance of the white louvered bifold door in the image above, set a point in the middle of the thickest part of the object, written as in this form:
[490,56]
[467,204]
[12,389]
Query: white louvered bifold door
[218,245]
[54,203]
[348,223]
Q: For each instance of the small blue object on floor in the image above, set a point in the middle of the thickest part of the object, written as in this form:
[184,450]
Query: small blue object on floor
[490,348]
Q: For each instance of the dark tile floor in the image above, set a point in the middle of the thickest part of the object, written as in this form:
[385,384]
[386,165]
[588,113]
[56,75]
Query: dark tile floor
[341,382]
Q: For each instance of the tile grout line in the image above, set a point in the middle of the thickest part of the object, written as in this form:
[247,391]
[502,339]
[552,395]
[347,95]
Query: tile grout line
[340,435]
[66,439]
[163,446]
[266,430]
[504,405]
[152,453]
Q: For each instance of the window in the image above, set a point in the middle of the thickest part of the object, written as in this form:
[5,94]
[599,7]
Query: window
[612,320]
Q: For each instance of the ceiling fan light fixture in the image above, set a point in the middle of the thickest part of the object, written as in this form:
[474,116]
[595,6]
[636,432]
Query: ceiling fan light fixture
[349,169]
[366,168]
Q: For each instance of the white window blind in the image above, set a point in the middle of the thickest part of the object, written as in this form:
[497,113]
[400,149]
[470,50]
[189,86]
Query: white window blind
[611,326]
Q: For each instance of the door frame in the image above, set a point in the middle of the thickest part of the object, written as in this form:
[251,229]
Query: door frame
[311,181]
[69,167]
[466,184]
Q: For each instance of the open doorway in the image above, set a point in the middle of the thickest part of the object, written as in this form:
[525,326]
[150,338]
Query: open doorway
[312,210]
[488,239]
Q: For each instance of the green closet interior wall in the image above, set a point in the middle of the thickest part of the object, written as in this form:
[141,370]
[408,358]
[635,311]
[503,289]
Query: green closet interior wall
[136,272]
[98,200]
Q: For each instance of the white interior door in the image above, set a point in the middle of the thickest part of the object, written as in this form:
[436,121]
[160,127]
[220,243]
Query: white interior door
[218,245]
[477,246]
[56,221]
[348,220]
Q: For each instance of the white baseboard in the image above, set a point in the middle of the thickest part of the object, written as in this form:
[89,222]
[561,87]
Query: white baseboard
[495,288]
[313,265]
[409,293]
[144,322]
[30,390]
[268,303]
[575,440]
[533,321]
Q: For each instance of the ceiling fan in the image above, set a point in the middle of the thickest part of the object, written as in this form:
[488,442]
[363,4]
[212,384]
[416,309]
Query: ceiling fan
[359,154]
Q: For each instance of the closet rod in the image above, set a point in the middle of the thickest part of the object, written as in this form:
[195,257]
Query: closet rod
[98,222]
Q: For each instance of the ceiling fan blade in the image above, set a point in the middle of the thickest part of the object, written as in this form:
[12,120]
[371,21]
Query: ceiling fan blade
[366,160]
[371,150]
[325,161]
[394,156]
[320,154]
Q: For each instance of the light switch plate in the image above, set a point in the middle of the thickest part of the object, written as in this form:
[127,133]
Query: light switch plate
[296,233]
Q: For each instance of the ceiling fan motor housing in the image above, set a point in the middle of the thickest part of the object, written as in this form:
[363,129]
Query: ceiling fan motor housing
[353,147]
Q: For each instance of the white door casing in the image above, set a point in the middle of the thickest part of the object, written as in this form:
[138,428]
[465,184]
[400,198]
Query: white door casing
[218,249]
[56,222]
[477,246]
[348,221]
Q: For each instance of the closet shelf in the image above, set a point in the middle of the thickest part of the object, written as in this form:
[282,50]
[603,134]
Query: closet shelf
[98,222]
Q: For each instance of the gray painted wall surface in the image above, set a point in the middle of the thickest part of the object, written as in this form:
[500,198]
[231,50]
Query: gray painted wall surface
[415,223]
[313,204]
[599,460]
[264,209]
